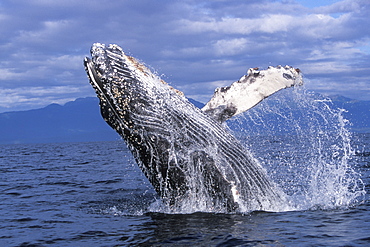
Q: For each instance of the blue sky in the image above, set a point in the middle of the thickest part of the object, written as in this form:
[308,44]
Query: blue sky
[195,45]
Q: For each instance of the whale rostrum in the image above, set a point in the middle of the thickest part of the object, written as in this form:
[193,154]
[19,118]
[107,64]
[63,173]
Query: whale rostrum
[193,162]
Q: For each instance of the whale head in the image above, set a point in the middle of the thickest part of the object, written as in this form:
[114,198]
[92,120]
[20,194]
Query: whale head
[124,86]
[127,89]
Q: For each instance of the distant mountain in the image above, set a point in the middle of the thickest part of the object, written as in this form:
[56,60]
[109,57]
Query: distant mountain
[196,103]
[76,121]
[80,121]
[358,112]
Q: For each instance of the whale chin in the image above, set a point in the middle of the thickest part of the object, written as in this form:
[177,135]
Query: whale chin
[186,153]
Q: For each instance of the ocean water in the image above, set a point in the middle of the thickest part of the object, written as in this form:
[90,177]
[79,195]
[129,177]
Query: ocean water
[93,194]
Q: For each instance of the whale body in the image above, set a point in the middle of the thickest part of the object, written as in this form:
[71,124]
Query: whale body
[187,154]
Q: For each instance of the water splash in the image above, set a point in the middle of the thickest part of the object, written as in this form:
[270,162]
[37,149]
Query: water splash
[305,145]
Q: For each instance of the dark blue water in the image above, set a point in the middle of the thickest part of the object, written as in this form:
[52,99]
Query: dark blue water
[93,194]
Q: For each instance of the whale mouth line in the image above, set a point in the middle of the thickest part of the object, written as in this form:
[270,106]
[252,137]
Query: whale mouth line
[95,81]
[98,85]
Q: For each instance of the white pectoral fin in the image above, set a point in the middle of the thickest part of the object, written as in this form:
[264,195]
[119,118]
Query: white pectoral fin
[250,90]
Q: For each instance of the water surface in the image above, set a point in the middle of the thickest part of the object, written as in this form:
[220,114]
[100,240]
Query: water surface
[93,194]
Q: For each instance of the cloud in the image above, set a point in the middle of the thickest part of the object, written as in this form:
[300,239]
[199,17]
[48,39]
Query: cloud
[312,26]
[346,6]
[193,43]
[46,34]
[230,46]
[351,88]
[244,26]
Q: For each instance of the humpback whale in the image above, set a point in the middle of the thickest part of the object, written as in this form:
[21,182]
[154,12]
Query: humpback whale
[186,153]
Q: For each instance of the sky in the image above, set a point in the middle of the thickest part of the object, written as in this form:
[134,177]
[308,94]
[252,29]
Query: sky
[194,45]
